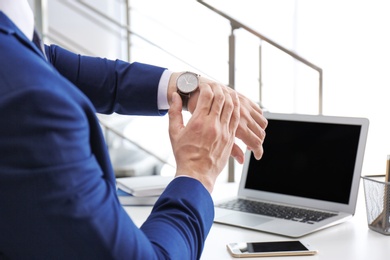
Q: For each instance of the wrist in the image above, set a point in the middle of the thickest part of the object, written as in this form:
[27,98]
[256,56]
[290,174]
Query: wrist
[172,85]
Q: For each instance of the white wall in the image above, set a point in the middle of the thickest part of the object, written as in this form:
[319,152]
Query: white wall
[354,50]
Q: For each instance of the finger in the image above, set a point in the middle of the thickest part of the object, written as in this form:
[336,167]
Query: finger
[175,115]
[227,111]
[254,143]
[205,100]
[254,137]
[235,117]
[253,112]
[258,122]
[252,126]
[252,132]
[237,154]
[219,101]
[257,152]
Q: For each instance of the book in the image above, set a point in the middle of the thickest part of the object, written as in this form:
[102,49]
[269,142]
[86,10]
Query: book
[127,199]
[142,186]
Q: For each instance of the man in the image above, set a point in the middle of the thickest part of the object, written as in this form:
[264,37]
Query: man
[57,187]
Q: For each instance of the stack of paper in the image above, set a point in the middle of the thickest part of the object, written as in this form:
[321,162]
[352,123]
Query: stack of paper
[141,190]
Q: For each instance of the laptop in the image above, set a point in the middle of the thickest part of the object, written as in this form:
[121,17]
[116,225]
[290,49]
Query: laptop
[308,176]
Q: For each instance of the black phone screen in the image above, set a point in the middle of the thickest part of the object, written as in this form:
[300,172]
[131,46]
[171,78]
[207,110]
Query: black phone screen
[277,246]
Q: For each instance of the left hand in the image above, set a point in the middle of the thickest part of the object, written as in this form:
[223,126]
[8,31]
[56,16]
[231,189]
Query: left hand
[252,125]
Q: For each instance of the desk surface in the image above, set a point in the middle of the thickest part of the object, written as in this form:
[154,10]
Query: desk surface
[352,240]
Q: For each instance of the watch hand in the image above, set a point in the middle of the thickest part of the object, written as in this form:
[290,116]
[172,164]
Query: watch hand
[185,78]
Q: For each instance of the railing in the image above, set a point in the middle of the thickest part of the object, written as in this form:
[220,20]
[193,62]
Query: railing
[237,25]
[40,9]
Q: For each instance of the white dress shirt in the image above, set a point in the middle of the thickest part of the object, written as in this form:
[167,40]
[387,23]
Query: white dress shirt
[19,11]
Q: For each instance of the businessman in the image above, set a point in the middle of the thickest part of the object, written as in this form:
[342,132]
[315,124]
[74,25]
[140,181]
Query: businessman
[57,187]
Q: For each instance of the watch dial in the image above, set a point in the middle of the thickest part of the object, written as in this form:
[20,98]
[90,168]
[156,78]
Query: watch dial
[187,82]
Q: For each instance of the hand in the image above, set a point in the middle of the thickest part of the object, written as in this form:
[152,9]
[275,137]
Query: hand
[202,147]
[251,129]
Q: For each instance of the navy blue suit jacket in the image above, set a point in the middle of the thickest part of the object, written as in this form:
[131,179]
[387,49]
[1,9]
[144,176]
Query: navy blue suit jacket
[57,187]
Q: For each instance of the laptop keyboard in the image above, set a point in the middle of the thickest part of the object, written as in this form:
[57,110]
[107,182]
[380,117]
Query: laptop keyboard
[278,211]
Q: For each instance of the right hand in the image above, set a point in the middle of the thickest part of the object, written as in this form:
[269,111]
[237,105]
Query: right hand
[252,125]
[202,147]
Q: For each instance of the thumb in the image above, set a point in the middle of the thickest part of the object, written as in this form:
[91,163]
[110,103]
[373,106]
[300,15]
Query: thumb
[175,115]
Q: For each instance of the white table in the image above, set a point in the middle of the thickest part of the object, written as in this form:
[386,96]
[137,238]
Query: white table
[352,240]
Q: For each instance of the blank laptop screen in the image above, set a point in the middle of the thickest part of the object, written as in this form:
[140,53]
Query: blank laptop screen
[306,159]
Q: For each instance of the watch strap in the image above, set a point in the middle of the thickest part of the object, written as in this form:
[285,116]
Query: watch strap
[185,97]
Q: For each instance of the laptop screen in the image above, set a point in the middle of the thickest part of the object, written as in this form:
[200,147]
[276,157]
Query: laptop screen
[306,159]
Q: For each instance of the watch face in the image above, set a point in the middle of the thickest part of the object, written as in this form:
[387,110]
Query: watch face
[187,82]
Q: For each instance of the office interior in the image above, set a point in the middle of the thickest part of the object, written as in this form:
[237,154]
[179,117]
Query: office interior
[346,40]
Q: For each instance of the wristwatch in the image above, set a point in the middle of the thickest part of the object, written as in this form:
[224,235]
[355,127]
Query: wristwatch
[187,83]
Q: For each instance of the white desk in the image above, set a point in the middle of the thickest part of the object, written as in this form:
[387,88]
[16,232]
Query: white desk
[352,240]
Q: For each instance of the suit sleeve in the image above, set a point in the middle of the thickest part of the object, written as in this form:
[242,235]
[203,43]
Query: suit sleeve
[180,220]
[111,85]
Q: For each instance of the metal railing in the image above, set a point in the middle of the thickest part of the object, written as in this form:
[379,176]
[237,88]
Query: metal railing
[232,51]
[40,9]
[237,25]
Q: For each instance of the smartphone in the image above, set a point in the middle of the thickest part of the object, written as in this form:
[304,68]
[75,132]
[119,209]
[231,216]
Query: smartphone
[272,248]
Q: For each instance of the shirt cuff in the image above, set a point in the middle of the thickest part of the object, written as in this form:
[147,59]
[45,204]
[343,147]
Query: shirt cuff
[162,96]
